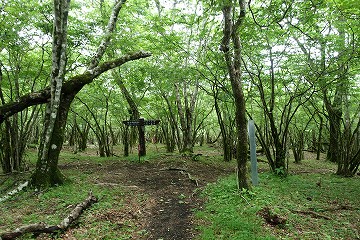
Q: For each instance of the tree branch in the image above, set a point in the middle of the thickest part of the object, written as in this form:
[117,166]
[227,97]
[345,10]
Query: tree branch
[73,85]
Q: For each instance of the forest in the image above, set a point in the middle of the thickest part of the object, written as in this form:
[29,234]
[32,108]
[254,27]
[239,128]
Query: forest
[79,79]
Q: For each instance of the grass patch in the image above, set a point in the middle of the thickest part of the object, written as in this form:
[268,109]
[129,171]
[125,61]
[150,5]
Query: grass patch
[315,206]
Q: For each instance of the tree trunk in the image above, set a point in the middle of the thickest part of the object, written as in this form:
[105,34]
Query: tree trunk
[227,144]
[126,141]
[133,111]
[233,62]
[141,147]
[186,112]
[319,140]
[47,173]
[83,135]
[173,123]
[169,133]
[334,111]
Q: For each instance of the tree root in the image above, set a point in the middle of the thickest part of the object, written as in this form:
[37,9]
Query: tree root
[194,180]
[38,228]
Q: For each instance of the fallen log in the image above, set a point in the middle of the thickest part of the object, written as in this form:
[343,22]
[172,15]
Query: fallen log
[38,228]
[15,191]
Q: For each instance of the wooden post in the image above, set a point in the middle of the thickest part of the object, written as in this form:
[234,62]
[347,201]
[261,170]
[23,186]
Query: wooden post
[142,146]
[140,123]
[254,171]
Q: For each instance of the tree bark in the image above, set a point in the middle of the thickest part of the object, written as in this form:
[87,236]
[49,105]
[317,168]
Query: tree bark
[334,111]
[186,112]
[319,139]
[233,62]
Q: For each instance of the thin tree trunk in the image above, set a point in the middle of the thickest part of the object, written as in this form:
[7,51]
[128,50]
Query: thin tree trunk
[319,140]
[233,62]
[134,114]
[226,138]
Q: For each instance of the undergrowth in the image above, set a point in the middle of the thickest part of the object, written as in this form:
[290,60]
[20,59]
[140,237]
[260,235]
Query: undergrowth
[315,206]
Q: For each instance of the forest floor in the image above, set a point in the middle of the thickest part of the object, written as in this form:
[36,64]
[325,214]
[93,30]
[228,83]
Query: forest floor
[168,196]
[171,188]
[156,196]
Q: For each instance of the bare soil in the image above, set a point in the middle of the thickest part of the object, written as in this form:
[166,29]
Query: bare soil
[170,189]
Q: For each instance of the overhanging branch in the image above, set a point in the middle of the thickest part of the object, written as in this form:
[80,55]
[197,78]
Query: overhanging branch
[73,85]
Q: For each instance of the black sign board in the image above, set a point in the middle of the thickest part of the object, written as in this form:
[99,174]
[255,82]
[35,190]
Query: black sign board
[141,122]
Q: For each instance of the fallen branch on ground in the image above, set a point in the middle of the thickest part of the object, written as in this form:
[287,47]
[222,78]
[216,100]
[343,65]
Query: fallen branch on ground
[173,169]
[194,180]
[337,208]
[312,214]
[15,191]
[182,171]
[38,228]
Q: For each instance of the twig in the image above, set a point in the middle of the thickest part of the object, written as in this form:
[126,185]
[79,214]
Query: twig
[312,213]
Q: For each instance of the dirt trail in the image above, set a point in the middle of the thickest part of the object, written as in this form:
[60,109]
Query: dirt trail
[170,187]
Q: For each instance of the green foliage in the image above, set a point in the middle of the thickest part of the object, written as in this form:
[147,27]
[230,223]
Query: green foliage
[281,171]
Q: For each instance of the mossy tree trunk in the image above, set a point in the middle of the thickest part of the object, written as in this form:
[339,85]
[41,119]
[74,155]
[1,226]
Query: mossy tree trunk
[47,173]
[231,46]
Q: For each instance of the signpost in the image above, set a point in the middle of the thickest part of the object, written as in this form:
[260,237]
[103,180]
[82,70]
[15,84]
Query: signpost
[141,123]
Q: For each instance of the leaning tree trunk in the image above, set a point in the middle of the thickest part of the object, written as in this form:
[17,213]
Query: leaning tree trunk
[134,115]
